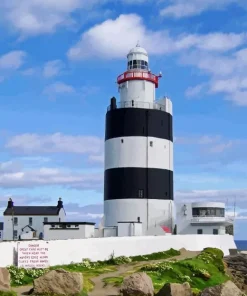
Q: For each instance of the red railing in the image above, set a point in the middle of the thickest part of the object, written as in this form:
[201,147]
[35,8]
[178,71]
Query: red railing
[126,76]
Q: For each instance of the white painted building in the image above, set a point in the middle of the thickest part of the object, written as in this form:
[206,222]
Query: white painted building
[1,231]
[202,218]
[18,218]
[68,230]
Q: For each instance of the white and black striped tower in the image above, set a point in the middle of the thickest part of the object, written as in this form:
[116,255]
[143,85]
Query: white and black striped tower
[138,179]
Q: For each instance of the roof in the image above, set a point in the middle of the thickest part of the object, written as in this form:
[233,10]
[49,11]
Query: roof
[69,223]
[32,211]
[1,225]
[139,50]
[31,228]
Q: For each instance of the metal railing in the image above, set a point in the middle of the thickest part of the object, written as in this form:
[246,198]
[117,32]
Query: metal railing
[138,104]
[210,219]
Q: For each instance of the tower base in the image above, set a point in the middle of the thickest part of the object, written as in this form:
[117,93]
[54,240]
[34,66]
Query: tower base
[157,216]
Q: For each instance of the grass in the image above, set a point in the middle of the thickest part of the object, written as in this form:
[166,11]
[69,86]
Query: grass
[9,293]
[156,256]
[205,270]
[115,281]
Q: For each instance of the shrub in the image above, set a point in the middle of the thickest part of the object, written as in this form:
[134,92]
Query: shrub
[198,272]
[160,267]
[215,256]
[20,276]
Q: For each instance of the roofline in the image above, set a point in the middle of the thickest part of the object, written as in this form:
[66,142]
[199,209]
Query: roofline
[30,215]
[69,223]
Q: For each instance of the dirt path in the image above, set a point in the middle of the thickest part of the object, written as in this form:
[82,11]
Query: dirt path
[109,290]
[23,290]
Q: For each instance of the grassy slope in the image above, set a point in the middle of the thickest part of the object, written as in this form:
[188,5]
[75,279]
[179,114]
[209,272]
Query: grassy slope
[88,269]
[205,270]
[11,293]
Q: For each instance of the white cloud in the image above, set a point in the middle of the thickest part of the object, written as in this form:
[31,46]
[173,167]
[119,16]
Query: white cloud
[12,60]
[58,88]
[195,91]
[104,40]
[184,8]
[49,176]
[34,17]
[227,74]
[29,72]
[210,143]
[31,17]
[22,200]
[55,143]
[213,195]
[96,158]
[52,68]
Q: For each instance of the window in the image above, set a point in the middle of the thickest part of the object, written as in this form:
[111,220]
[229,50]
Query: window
[215,231]
[15,234]
[138,64]
[0,234]
[45,219]
[122,140]
[208,212]
[151,143]
[140,193]
[30,221]
[15,221]
[199,231]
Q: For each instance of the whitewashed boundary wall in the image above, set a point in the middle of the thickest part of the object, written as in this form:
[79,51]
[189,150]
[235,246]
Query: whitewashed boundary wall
[67,251]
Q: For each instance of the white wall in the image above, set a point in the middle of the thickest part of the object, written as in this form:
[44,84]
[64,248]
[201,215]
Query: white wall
[183,221]
[102,248]
[137,152]
[27,235]
[24,220]
[152,213]
[137,90]
[130,229]
[83,231]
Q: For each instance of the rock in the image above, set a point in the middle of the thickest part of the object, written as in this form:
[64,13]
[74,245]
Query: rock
[58,282]
[226,289]
[237,270]
[137,284]
[4,279]
[173,289]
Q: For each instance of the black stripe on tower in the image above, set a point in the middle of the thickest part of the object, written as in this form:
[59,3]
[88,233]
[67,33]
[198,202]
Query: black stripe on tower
[121,183]
[130,122]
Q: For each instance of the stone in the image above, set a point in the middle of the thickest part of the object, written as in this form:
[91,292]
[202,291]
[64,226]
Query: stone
[58,282]
[174,289]
[4,280]
[237,270]
[137,284]
[226,289]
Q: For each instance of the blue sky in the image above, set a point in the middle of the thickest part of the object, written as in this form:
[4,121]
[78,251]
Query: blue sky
[58,65]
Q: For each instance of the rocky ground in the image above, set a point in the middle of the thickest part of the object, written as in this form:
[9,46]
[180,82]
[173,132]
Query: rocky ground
[139,283]
[237,270]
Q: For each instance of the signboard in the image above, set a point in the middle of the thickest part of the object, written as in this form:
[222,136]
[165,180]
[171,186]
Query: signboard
[33,254]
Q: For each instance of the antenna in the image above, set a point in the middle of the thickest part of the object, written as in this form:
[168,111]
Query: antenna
[138,43]
[234,207]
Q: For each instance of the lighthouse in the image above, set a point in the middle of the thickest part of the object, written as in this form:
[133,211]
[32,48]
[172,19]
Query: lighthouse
[138,175]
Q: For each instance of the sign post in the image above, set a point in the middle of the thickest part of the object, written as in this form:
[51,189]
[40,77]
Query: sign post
[33,254]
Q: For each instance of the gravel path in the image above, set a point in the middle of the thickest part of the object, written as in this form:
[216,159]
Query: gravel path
[109,290]
[100,289]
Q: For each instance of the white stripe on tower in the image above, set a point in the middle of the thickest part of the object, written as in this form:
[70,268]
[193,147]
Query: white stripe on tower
[139,152]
